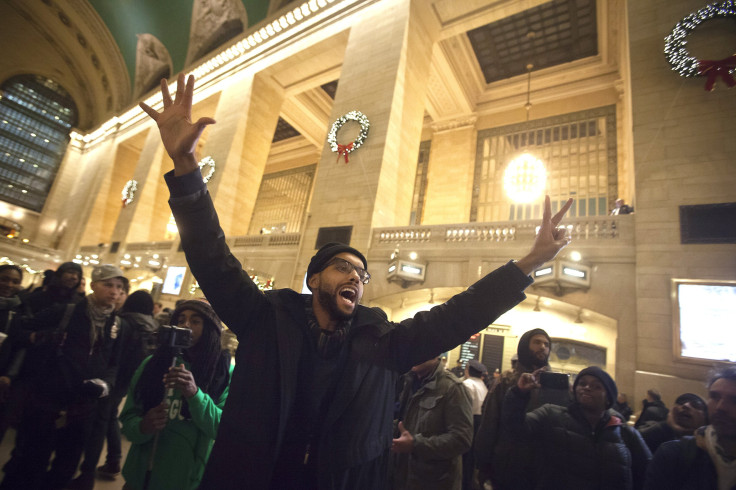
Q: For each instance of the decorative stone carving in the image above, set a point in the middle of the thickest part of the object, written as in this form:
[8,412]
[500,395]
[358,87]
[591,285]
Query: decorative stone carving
[214,22]
[152,63]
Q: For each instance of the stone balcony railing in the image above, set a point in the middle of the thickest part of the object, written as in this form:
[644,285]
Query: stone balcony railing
[618,230]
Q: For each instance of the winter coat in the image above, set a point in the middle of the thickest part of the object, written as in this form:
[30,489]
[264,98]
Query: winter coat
[183,445]
[138,336]
[654,411]
[60,365]
[272,333]
[610,456]
[657,433]
[682,465]
[508,463]
[440,418]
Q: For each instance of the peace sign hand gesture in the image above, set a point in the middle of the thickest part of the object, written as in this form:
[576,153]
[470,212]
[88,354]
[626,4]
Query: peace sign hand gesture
[178,133]
[549,241]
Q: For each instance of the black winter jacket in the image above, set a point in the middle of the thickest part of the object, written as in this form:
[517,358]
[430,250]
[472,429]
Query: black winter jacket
[575,456]
[357,426]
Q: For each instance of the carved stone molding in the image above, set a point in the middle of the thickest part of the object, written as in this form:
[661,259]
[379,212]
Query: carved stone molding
[152,63]
[214,22]
[450,125]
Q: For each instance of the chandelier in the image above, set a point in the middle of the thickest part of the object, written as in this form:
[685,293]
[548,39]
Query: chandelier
[525,176]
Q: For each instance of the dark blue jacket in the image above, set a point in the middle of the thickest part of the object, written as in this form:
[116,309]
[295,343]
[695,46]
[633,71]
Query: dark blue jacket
[681,465]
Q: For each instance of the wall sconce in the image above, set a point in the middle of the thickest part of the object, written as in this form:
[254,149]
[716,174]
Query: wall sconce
[562,277]
[406,272]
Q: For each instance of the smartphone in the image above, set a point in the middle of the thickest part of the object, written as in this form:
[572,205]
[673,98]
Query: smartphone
[555,381]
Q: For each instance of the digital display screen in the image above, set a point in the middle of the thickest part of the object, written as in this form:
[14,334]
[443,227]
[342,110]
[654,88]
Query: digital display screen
[706,318]
[174,280]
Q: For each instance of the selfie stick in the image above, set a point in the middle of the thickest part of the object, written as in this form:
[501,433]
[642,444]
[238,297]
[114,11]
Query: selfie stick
[149,470]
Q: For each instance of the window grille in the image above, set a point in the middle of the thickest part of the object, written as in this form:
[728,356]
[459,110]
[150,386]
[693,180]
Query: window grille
[578,151]
[36,116]
[282,201]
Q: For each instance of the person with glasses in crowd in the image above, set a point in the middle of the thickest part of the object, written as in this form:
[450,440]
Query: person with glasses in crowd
[312,396]
[688,414]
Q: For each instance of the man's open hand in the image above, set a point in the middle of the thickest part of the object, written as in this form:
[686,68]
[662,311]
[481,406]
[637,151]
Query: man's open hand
[178,133]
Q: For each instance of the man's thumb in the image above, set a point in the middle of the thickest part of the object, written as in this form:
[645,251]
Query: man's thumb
[401,427]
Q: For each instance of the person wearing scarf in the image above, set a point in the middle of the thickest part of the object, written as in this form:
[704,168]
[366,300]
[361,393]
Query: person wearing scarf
[74,362]
[182,413]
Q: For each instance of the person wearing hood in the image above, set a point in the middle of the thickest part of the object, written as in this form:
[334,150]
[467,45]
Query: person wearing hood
[74,359]
[138,339]
[61,289]
[585,446]
[509,463]
[177,420]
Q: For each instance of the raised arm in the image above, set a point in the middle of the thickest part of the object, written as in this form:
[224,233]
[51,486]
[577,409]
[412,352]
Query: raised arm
[178,133]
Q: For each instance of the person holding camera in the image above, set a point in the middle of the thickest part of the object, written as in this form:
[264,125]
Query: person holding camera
[584,445]
[172,411]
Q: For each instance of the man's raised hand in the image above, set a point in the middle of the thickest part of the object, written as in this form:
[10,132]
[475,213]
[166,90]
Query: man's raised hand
[549,241]
[178,134]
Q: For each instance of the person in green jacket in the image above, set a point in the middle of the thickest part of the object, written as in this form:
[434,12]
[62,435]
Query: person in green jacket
[181,404]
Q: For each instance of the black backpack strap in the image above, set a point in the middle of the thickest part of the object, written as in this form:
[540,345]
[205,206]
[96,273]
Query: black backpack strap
[64,323]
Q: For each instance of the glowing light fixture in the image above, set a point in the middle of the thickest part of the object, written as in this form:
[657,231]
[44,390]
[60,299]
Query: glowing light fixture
[525,176]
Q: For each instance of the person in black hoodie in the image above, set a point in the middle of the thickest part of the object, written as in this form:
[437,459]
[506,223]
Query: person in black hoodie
[61,289]
[509,463]
[75,360]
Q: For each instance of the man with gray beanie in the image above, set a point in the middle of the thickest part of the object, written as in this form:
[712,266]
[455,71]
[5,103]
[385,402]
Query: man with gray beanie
[312,398]
[584,445]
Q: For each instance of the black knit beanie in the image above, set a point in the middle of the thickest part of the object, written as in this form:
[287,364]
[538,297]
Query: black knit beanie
[325,254]
[139,302]
[608,383]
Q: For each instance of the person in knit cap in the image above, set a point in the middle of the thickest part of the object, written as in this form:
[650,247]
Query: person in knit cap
[507,463]
[689,413]
[584,445]
[324,367]
[183,412]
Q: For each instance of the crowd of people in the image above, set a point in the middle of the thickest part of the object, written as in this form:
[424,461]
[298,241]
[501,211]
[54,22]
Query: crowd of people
[324,393]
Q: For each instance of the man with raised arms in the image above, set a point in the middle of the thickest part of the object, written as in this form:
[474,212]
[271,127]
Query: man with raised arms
[312,396]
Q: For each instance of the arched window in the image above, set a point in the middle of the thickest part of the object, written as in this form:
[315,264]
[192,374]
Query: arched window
[36,116]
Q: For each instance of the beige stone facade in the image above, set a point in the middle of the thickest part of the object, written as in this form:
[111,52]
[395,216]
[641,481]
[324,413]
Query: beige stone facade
[408,66]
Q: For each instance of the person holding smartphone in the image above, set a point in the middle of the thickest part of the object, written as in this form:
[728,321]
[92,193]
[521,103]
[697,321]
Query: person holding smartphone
[585,445]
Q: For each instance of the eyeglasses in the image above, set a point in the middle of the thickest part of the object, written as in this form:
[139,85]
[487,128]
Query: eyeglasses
[346,267]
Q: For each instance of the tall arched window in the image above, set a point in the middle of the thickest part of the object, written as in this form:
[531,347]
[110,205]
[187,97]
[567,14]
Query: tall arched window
[36,116]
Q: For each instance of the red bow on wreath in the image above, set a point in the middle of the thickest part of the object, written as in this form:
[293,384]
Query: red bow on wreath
[344,150]
[717,68]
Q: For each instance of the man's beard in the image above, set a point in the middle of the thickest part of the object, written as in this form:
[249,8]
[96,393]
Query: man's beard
[329,303]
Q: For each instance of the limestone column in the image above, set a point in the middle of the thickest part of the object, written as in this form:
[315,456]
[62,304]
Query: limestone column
[384,76]
[246,116]
[69,206]
[450,173]
[139,220]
